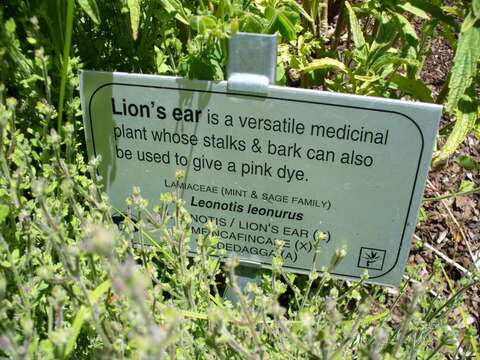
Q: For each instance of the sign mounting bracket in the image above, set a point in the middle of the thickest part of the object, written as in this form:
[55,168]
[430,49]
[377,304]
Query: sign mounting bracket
[252,63]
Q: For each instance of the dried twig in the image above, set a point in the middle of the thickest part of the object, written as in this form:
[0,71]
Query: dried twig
[443,256]
[460,228]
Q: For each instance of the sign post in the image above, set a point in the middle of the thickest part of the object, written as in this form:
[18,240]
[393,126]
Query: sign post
[266,162]
[252,65]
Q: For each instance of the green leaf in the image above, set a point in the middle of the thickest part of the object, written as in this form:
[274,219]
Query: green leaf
[202,23]
[476,131]
[134,8]
[286,28]
[434,10]
[407,30]
[389,59]
[251,23]
[170,6]
[467,162]
[422,215]
[414,10]
[91,9]
[280,78]
[466,115]
[383,42]
[4,211]
[413,87]
[282,21]
[47,349]
[466,185]
[357,34]
[476,8]
[367,78]
[469,22]
[94,296]
[299,8]
[76,328]
[175,6]
[324,63]
[386,32]
[464,67]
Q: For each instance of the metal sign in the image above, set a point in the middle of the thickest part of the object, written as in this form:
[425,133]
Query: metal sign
[283,165]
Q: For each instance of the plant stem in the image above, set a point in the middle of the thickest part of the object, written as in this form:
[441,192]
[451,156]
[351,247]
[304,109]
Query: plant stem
[461,193]
[323,15]
[66,53]
[444,91]
[339,26]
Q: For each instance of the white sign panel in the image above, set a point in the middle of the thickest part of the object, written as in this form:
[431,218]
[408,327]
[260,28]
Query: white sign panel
[283,166]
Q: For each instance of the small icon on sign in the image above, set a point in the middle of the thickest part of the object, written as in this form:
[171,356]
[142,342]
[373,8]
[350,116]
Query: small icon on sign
[371,258]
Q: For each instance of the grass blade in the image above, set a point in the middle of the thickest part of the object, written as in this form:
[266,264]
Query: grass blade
[94,296]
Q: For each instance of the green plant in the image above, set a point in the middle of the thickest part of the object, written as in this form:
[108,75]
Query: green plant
[78,279]
[388,56]
[74,286]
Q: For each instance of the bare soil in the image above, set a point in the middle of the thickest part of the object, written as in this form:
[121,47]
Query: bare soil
[453,225]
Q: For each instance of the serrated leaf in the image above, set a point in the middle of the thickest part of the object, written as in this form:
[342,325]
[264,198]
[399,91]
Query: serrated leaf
[134,8]
[464,67]
[466,115]
[414,10]
[357,34]
[413,87]
[324,63]
[91,9]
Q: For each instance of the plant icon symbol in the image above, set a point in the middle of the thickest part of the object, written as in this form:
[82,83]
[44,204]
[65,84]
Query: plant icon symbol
[371,258]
